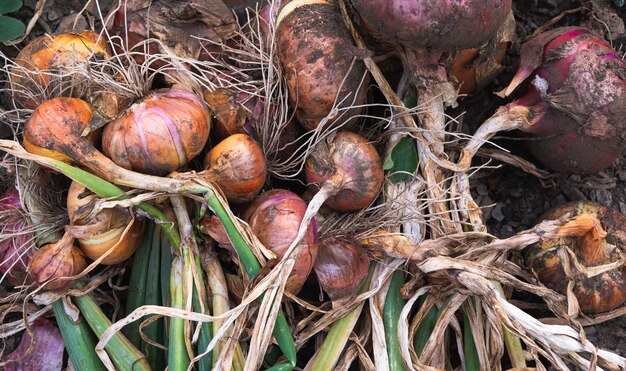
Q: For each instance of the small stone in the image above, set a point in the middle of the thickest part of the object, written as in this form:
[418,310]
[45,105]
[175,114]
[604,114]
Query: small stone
[496,213]
[591,330]
[482,189]
[602,196]
[622,208]
[52,15]
[507,231]
[621,174]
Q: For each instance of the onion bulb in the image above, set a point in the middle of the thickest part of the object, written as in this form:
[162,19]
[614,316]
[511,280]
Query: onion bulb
[237,165]
[158,134]
[347,168]
[55,260]
[50,54]
[274,218]
[98,233]
[602,245]
[341,266]
[319,61]
[52,126]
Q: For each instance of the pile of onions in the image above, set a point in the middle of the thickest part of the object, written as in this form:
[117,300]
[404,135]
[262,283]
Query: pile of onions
[112,229]
[602,244]
[50,54]
[275,217]
[237,165]
[319,61]
[346,171]
[158,134]
[575,105]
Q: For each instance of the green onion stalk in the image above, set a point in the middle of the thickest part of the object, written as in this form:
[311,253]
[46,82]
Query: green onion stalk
[106,189]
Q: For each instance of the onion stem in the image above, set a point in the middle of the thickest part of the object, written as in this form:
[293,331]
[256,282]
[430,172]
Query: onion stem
[122,352]
[513,343]
[177,357]
[391,315]
[79,340]
[472,362]
[338,335]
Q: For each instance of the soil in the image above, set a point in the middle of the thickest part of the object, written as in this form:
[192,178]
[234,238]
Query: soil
[514,200]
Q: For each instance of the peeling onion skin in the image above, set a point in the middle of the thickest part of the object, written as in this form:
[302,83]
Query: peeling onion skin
[275,217]
[57,259]
[101,231]
[317,53]
[159,134]
[577,125]
[596,294]
[434,24]
[237,164]
[350,162]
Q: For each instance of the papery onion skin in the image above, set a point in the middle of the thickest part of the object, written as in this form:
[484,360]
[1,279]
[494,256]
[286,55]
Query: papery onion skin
[319,61]
[275,217]
[57,259]
[434,24]
[102,231]
[577,124]
[237,164]
[351,162]
[54,126]
[597,294]
[341,266]
[48,54]
[159,134]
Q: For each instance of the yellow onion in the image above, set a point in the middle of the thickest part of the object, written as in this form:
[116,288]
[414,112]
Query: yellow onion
[52,122]
[98,233]
[49,54]
[238,166]
[57,259]
[158,134]
[601,245]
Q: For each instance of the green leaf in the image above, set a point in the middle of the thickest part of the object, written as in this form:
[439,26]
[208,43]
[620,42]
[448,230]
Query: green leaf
[402,158]
[8,6]
[10,28]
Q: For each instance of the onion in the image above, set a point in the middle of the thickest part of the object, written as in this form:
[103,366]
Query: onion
[48,54]
[16,239]
[575,108]
[98,233]
[231,116]
[238,166]
[319,61]
[341,266]
[55,260]
[602,245]
[347,171]
[159,134]
[274,218]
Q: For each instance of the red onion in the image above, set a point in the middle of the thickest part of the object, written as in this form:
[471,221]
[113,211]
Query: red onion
[341,266]
[575,108]
[275,217]
[346,169]
[16,239]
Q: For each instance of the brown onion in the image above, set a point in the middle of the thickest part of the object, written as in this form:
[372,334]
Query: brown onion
[341,266]
[98,233]
[159,134]
[231,115]
[603,244]
[319,61]
[347,168]
[47,54]
[275,217]
[53,120]
[238,166]
[55,260]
